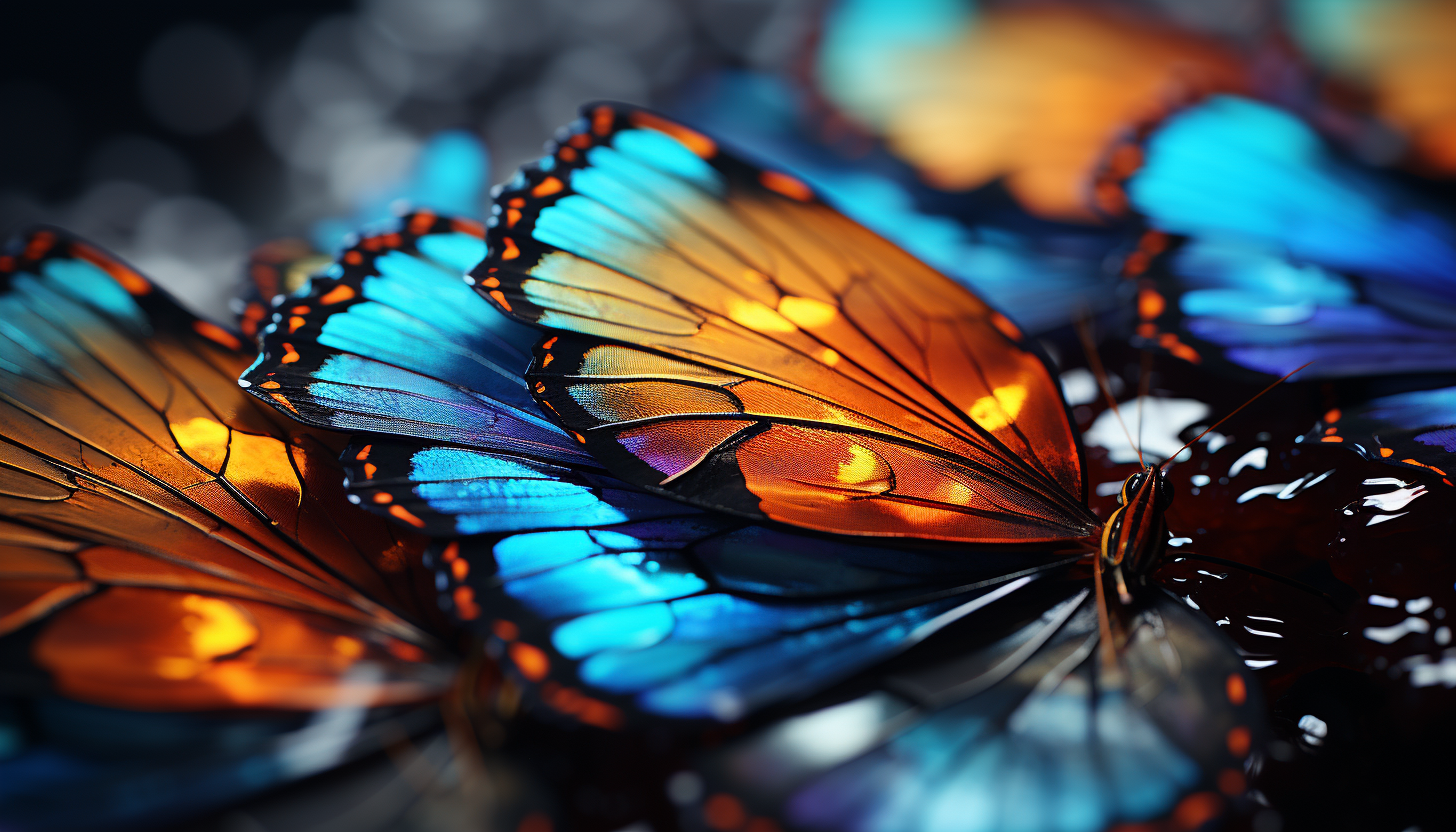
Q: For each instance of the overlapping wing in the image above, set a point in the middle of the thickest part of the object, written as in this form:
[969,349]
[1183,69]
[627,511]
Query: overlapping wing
[170,545]
[767,355]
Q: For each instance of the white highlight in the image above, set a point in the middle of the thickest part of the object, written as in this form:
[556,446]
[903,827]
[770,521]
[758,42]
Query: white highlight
[1163,420]
[1381,518]
[1079,386]
[1395,500]
[1416,606]
[1384,601]
[1392,634]
[1257,458]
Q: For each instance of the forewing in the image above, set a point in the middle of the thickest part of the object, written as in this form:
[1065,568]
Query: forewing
[744,305]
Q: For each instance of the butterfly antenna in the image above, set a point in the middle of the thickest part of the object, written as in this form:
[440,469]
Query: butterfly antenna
[1145,376]
[1251,400]
[1084,331]
[1104,623]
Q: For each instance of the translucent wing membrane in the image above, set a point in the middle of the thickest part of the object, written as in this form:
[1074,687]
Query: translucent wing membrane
[1026,732]
[784,362]
[169,544]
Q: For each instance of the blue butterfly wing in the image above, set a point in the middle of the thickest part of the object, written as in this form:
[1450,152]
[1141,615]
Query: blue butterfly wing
[1026,732]
[1294,253]
[1414,430]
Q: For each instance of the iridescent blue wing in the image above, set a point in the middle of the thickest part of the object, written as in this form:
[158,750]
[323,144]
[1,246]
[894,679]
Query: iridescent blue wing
[390,341]
[1416,429]
[184,591]
[1294,253]
[1030,731]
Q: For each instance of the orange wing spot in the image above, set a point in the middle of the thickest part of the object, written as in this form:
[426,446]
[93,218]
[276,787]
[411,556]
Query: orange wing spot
[549,342]
[1167,339]
[132,282]
[1125,161]
[567,153]
[1004,324]
[699,144]
[392,239]
[1197,809]
[338,294]
[1231,782]
[364,452]
[1237,690]
[602,118]
[505,630]
[369,470]
[533,663]
[353,258]
[782,183]
[217,334]
[546,360]
[270,385]
[383,498]
[1146,330]
[724,812]
[1150,304]
[373,243]
[490,283]
[404,651]
[402,513]
[39,245]
[299,310]
[295,323]
[465,225]
[1238,740]
[279,397]
[1333,415]
[517,202]
[1332,439]
[1331,431]
[1135,264]
[452,551]
[579,437]
[548,186]
[1186,353]
[459,567]
[511,252]
[500,297]
[421,222]
[1424,465]
[1110,197]
[1386,452]
[513,216]
[540,388]
[290,354]
[579,141]
[1153,242]
[465,606]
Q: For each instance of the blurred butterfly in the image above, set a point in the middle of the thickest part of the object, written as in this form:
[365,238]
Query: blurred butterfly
[763,419]
[1029,94]
[1402,53]
[190,611]
[1286,252]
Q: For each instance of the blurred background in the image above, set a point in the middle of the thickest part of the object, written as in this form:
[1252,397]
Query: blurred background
[180,135]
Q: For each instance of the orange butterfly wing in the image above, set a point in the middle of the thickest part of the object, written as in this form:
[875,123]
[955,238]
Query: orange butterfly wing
[168,542]
[774,358]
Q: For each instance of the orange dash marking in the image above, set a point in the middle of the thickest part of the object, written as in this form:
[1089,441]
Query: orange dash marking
[702,146]
[1239,740]
[785,185]
[1150,304]
[295,323]
[546,361]
[513,216]
[1386,452]
[602,118]
[505,630]
[1197,809]
[421,222]
[567,153]
[511,251]
[369,470]
[270,385]
[452,551]
[1332,439]
[1004,324]
[548,186]
[516,202]
[464,598]
[549,342]
[402,513]
[338,294]
[364,453]
[1237,690]
[533,663]
[278,397]
[217,334]
[500,297]
[290,354]
[459,567]
[383,498]
[579,141]
[490,283]
[353,258]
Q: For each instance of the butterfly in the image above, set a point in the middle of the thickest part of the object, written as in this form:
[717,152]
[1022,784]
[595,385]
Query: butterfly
[780,453]
[1284,251]
[192,612]
[968,94]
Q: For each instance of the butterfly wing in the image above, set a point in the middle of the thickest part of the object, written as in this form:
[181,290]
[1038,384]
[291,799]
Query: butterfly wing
[169,545]
[1295,253]
[778,359]
[1025,732]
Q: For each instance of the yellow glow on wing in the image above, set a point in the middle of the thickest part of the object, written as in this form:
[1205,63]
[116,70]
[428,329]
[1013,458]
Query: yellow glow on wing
[999,409]
[203,439]
[806,312]
[756,316]
[216,627]
[864,468]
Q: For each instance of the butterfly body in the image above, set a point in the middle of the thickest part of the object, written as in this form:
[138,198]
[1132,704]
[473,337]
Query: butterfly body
[1134,535]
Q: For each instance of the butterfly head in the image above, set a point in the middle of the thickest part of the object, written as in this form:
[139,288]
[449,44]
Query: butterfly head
[1134,535]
